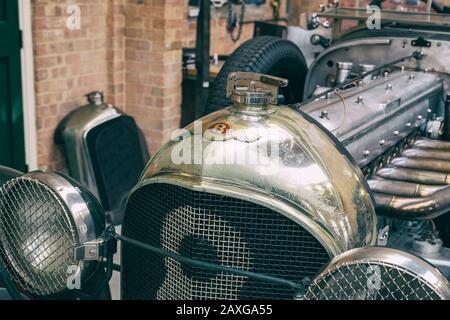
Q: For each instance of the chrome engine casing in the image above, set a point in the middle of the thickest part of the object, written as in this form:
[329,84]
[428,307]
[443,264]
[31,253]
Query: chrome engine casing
[382,121]
[373,117]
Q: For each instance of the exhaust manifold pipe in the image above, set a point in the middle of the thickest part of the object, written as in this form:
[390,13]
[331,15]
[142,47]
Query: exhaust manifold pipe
[415,153]
[425,208]
[415,176]
[432,144]
[422,164]
[401,188]
[416,185]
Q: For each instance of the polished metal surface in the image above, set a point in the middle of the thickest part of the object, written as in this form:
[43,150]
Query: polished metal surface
[369,120]
[415,184]
[72,199]
[7,174]
[422,164]
[413,208]
[415,176]
[37,236]
[343,71]
[380,50]
[305,175]
[402,188]
[74,136]
[248,88]
[432,144]
[416,153]
[379,273]
[43,219]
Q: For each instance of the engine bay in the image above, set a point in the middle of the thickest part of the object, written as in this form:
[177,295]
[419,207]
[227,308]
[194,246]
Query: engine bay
[394,123]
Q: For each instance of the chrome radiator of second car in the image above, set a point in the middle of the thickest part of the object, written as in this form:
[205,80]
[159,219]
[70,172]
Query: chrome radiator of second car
[105,151]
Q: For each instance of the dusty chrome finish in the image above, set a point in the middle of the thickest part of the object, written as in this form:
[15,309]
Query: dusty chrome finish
[402,188]
[310,180]
[400,275]
[413,175]
[422,164]
[424,208]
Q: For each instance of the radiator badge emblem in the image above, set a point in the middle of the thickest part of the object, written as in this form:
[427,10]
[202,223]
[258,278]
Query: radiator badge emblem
[219,131]
[223,131]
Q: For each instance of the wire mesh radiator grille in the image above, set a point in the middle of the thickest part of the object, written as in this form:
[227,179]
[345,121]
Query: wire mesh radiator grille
[216,229]
[33,219]
[370,281]
[117,159]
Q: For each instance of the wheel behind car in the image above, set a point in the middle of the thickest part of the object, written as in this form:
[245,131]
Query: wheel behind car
[268,55]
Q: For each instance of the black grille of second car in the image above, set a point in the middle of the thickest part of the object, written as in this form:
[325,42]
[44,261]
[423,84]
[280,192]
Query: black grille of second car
[118,159]
[217,229]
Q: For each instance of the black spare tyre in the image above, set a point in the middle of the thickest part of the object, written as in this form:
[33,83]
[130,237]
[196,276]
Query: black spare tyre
[266,54]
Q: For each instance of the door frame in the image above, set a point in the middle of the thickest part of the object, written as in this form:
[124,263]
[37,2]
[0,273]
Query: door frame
[28,92]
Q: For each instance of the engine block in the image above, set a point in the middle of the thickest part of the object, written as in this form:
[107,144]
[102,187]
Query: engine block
[378,113]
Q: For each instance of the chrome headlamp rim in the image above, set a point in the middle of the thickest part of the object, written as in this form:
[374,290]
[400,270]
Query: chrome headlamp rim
[7,174]
[84,218]
[387,256]
[72,198]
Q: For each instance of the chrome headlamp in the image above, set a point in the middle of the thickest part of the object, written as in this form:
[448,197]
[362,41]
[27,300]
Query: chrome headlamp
[49,229]
[378,273]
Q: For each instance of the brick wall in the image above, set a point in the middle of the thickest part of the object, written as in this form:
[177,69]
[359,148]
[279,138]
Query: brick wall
[221,42]
[68,64]
[130,51]
[153,66]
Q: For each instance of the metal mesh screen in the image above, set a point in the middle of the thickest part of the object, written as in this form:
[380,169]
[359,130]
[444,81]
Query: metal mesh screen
[37,237]
[370,281]
[216,229]
[117,159]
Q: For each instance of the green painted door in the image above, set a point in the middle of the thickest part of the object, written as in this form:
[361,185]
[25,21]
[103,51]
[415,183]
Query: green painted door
[12,148]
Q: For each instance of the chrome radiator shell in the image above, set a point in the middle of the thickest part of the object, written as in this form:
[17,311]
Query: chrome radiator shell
[316,185]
